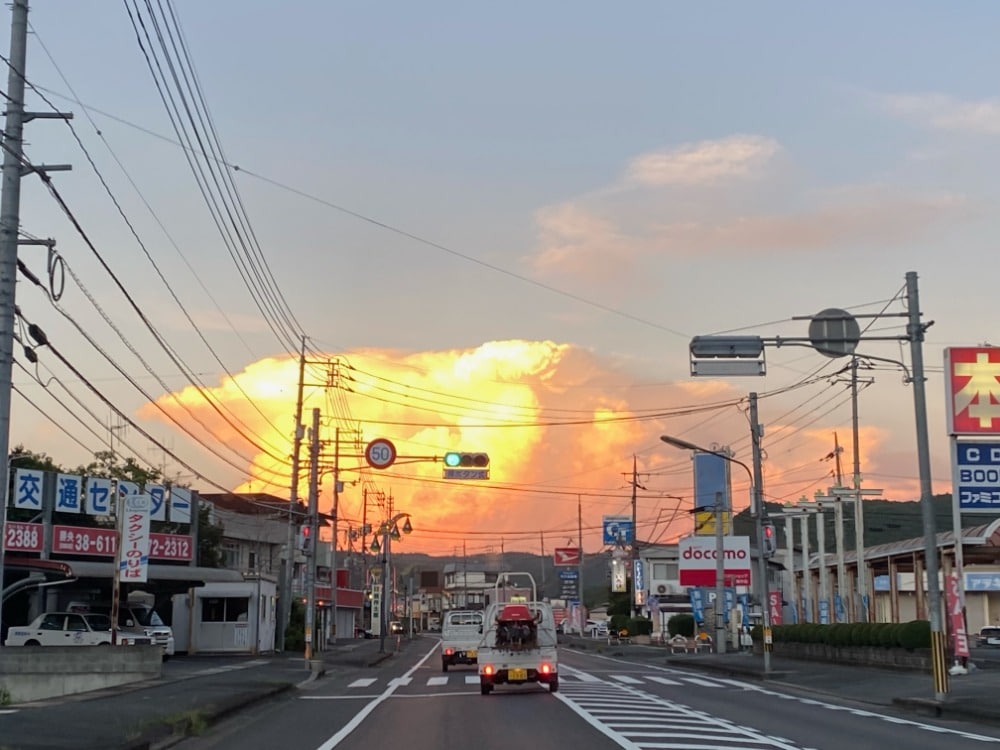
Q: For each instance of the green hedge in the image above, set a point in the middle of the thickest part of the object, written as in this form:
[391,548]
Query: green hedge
[909,635]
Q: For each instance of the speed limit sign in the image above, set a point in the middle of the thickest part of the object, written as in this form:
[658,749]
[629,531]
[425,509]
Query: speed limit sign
[380,453]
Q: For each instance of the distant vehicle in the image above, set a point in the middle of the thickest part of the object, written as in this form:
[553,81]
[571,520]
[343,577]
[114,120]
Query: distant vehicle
[360,632]
[69,629]
[989,636]
[460,636]
[596,628]
[395,627]
[139,619]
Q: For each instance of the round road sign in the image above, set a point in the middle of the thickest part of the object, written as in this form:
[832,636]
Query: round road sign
[380,453]
[834,333]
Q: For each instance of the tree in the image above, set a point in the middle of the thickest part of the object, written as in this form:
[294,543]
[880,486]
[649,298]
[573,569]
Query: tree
[209,539]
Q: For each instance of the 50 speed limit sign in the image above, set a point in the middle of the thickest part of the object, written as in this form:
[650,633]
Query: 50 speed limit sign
[380,453]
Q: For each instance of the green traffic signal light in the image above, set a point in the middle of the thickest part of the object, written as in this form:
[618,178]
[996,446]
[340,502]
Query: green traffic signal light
[456,459]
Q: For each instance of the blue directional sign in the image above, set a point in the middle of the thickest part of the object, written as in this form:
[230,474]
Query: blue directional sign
[618,530]
[977,476]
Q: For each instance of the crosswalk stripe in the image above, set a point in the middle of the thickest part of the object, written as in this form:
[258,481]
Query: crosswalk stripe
[662,680]
[363,682]
[699,681]
[435,681]
[471,679]
[401,681]
[626,679]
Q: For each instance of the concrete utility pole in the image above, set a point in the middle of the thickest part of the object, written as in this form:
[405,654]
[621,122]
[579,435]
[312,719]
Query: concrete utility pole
[790,552]
[915,330]
[756,433]
[10,221]
[313,529]
[288,572]
[720,578]
[333,544]
[633,606]
[861,579]
[824,577]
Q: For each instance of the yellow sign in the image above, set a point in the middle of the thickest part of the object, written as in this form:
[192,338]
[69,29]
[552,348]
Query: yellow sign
[704,523]
[517,674]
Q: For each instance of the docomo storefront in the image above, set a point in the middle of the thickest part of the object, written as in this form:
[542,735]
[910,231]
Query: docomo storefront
[698,556]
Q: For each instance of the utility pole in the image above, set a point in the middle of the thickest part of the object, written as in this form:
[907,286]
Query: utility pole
[861,579]
[807,582]
[756,433]
[915,333]
[790,551]
[288,572]
[10,221]
[541,540]
[333,544]
[579,575]
[720,578]
[313,529]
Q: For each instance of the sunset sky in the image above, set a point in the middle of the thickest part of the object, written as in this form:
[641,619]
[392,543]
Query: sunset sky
[498,229]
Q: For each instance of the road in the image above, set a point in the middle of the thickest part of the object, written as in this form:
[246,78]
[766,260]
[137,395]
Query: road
[603,702]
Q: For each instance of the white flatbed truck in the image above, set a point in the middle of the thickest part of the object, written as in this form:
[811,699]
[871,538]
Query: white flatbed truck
[519,644]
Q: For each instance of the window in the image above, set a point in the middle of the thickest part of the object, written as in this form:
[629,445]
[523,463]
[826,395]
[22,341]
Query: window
[52,622]
[225,609]
[231,555]
[251,561]
[665,571]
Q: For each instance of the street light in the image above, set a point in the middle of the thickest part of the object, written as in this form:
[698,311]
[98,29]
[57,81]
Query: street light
[389,531]
[757,503]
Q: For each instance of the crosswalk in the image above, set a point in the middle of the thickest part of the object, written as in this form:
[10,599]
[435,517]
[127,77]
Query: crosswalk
[565,677]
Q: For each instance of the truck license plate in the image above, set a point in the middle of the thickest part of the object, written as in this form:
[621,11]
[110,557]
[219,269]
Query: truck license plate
[517,674]
[471,654]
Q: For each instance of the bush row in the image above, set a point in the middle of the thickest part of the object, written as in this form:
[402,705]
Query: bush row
[907,635]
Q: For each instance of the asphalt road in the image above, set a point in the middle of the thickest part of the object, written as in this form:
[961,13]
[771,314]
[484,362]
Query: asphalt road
[606,700]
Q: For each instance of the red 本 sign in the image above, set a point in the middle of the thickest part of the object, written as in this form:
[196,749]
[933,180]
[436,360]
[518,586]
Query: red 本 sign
[566,556]
[972,375]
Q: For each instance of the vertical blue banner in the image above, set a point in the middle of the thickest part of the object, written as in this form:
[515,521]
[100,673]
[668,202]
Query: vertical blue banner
[711,476]
[697,606]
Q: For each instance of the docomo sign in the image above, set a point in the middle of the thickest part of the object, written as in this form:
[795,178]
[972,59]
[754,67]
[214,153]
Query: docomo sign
[698,561]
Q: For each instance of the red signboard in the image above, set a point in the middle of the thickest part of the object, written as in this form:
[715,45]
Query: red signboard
[954,603]
[566,556]
[22,537]
[774,601]
[94,542]
[972,376]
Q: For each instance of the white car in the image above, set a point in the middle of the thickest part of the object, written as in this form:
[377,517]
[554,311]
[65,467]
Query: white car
[596,628]
[62,629]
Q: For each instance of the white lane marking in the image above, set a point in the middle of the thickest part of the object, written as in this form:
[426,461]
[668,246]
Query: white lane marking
[625,679]
[471,679]
[361,715]
[363,682]
[400,680]
[434,681]
[809,701]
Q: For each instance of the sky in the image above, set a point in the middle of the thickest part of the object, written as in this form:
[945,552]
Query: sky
[498,229]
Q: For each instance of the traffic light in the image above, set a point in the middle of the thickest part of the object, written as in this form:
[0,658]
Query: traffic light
[770,541]
[456,460]
[305,538]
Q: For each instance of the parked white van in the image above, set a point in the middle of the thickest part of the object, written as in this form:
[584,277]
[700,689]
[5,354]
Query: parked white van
[460,634]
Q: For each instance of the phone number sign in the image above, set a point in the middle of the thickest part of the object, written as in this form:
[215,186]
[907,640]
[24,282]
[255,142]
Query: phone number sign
[82,540]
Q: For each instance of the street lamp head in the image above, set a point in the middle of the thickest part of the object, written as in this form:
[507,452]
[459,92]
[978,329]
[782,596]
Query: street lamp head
[683,444]
[407,526]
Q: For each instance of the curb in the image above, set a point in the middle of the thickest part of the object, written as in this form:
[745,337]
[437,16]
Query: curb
[165,733]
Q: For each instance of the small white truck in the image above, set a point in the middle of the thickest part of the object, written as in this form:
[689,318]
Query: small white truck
[460,637]
[519,643]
